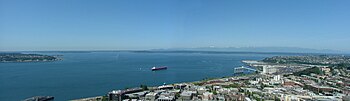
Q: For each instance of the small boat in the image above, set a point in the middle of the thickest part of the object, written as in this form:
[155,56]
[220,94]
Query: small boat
[159,68]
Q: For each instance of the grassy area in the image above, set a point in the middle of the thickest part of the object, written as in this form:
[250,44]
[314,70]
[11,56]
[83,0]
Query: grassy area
[308,71]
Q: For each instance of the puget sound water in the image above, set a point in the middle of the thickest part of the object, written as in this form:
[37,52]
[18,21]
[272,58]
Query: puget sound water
[91,74]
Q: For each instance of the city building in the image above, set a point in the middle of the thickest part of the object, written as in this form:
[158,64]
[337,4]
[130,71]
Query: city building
[186,96]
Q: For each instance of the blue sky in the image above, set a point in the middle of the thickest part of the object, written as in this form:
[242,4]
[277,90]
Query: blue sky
[149,24]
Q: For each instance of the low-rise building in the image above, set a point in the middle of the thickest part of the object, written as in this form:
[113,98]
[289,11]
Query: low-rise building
[152,96]
[186,96]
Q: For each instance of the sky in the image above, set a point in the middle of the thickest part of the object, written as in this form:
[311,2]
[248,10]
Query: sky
[154,24]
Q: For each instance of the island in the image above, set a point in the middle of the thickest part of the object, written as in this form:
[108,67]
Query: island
[21,57]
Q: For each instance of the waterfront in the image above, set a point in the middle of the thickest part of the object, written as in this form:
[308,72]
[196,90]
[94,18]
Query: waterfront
[316,78]
[81,75]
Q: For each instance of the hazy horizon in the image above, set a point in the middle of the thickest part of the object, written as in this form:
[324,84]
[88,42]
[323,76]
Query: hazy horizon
[158,24]
[207,49]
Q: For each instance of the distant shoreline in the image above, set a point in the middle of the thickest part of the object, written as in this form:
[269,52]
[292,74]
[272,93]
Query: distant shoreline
[183,51]
[25,58]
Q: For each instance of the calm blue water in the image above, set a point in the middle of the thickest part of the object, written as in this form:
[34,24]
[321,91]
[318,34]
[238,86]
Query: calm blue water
[93,74]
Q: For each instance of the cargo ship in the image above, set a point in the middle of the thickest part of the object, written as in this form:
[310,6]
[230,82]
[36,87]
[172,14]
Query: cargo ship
[159,68]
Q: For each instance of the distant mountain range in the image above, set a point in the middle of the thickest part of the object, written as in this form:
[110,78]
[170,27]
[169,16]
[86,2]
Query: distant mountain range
[254,49]
[217,50]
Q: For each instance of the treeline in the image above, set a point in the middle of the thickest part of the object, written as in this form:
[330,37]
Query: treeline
[308,71]
[19,57]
